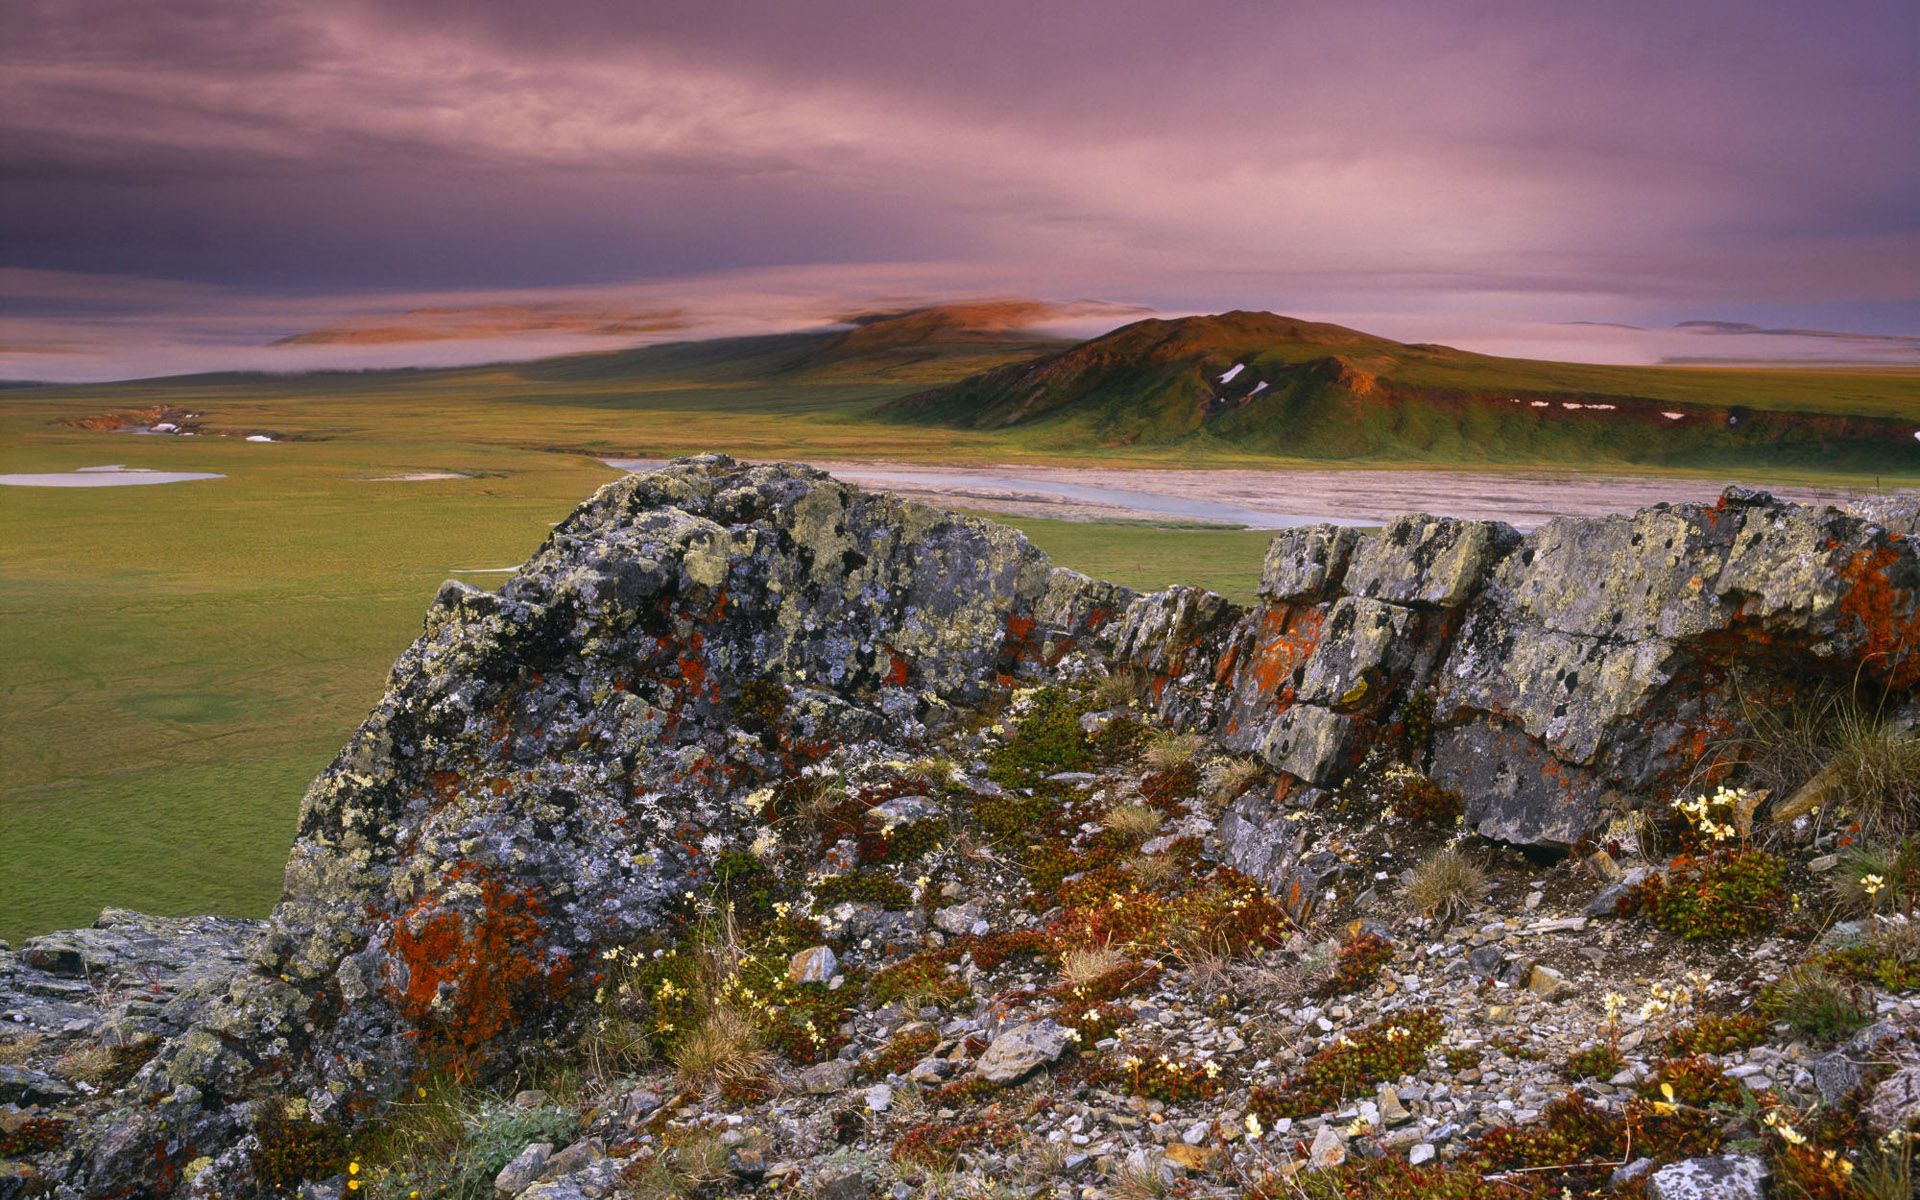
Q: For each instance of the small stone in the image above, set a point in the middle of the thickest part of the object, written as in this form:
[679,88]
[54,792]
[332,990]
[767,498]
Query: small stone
[841,1184]
[518,1175]
[1021,1050]
[1329,1149]
[824,1079]
[817,964]
[1420,1153]
[958,918]
[1189,1157]
[879,1098]
[1604,867]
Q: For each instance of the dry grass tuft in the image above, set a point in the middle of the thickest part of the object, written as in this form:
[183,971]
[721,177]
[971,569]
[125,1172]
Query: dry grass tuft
[15,1051]
[1084,964]
[1135,821]
[1445,884]
[1227,778]
[1150,871]
[88,1063]
[723,1048]
[1169,751]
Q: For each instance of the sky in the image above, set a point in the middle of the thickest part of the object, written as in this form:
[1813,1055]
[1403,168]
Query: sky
[184,183]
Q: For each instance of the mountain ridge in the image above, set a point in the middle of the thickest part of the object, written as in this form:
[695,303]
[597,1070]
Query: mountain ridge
[1265,382]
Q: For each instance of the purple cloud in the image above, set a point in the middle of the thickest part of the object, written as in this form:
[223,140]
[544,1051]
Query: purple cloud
[1623,161]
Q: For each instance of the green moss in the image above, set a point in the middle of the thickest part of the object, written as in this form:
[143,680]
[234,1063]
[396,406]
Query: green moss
[1047,740]
[863,888]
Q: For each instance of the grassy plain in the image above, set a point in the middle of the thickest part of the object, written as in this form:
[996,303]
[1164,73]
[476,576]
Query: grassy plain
[176,662]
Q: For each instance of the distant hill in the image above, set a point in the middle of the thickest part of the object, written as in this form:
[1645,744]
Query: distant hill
[1267,384]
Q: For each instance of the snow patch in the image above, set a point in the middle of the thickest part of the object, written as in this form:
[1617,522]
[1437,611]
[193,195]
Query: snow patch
[1235,370]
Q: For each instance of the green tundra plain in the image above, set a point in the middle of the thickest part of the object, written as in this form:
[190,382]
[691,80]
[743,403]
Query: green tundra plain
[180,660]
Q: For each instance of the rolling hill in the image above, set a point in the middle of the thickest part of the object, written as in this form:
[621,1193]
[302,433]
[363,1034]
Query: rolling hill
[1264,384]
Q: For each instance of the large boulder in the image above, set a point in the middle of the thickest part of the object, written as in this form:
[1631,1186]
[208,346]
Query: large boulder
[554,765]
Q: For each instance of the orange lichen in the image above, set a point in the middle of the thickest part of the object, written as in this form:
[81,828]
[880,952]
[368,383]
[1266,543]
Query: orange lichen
[471,974]
[1889,615]
[1288,635]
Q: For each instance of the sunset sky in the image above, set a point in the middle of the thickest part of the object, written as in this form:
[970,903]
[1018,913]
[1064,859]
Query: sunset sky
[188,180]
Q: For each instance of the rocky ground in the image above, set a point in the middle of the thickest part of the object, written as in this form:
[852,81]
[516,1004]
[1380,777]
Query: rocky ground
[1015,967]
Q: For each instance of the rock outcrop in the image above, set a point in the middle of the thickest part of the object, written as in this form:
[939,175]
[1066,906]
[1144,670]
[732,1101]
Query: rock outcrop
[554,767]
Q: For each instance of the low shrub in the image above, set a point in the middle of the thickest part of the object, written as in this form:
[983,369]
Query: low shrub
[1352,1064]
[1718,894]
[1718,1035]
[1359,963]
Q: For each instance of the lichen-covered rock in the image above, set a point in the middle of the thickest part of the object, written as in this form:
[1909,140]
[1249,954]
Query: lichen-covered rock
[1718,1177]
[1307,563]
[1021,1050]
[1431,561]
[131,975]
[554,764]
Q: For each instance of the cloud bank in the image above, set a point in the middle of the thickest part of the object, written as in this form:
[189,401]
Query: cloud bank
[1502,161]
